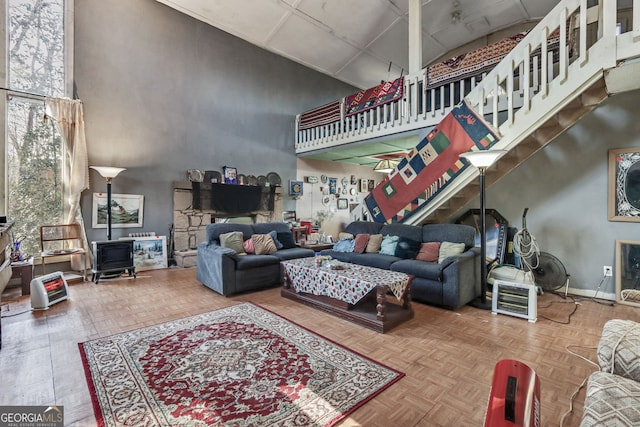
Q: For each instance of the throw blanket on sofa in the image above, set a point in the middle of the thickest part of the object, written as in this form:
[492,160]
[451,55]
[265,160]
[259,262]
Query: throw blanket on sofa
[430,166]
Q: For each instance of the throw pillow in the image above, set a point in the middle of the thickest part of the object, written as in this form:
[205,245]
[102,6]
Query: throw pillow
[344,245]
[248,246]
[429,252]
[375,240]
[286,238]
[361,241]
[343,235]
[263,244]
[233,240]
[448,249]
[274,236]
[389,244]
[407,248]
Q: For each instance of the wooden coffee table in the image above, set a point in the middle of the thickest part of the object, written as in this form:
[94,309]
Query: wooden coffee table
[371,297]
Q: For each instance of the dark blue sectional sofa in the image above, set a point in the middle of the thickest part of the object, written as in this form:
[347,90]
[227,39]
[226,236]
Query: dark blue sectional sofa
[451,283]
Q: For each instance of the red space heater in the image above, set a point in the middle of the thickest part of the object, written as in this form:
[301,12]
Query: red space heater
[515,396]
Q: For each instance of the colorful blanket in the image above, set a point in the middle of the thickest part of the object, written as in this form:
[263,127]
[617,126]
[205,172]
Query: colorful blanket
[374,97]
[430,166]
[326,114]
[471,63]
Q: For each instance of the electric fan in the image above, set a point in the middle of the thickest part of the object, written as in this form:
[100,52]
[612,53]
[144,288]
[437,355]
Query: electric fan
[550,273]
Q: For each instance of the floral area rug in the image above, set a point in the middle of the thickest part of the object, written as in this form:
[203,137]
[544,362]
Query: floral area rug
[237,366]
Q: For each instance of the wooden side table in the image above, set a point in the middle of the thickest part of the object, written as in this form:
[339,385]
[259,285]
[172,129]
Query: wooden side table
[299,233]
[23,270]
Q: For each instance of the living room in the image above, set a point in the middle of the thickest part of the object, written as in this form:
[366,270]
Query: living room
[158,109]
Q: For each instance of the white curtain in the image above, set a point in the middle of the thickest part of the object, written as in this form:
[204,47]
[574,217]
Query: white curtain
[69,119]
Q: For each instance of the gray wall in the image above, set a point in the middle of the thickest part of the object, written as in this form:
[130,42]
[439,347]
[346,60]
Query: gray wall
[164,93]
[565,187]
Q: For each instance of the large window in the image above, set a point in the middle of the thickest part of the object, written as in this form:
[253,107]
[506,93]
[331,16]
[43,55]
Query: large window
[35,55]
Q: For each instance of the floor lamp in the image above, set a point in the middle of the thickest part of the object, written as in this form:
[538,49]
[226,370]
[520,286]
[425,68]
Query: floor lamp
[109,173]
[482,160]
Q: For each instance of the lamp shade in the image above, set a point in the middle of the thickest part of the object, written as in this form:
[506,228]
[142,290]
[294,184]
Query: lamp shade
[107,171]
[483,158]
[386,165]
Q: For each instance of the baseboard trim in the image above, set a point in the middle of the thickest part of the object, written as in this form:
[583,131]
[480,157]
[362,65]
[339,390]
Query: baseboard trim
[590,293]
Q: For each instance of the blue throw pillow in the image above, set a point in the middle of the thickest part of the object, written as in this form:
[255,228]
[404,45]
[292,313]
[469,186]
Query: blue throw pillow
[407,248]
[274,236]
[344,245]
[286,238]
[389,244]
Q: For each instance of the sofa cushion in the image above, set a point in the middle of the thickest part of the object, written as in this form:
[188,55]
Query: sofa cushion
[263,244]
[274,236]
[215,230]
[248,262]
[619,348]
[363,227]
[342,235]
[407,248]
[344,245]
[611,400]
[372,260]
[248,246]
[389,244]
[233,240]
[286,238]
[293,253]
[457,233]
[361,241]
[373,246]
[429,252]
[426,270]
[448,249]
[402,230]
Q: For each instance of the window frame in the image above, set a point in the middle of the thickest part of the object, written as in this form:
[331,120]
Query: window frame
[68,18]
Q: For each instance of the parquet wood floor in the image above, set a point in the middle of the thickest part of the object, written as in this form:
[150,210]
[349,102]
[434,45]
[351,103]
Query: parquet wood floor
[448,356]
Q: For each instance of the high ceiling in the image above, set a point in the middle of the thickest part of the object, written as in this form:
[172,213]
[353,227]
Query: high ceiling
[356,40]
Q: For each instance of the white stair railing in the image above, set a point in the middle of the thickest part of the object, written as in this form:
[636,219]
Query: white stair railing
[518,102]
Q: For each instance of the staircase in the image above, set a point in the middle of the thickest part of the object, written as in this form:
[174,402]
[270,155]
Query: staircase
[553,97]
[533,95]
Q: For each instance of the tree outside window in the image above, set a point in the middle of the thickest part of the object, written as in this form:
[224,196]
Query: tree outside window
[34,152]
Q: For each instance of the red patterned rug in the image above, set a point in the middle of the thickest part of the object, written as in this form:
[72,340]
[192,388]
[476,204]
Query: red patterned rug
[237,366]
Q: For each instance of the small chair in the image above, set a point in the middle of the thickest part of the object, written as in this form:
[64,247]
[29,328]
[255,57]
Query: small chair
[62,239]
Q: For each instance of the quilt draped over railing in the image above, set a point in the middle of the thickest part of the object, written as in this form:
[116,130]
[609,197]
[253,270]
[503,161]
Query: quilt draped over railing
[430,166]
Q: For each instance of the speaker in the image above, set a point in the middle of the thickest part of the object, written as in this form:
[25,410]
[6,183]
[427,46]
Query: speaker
[48,290]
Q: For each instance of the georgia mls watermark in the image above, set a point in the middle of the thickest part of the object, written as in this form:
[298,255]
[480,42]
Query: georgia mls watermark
[31,416]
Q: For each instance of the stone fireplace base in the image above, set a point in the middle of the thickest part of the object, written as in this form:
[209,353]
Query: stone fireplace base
[189,225]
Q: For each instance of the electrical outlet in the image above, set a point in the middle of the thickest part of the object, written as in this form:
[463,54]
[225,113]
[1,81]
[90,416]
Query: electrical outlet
[608,271]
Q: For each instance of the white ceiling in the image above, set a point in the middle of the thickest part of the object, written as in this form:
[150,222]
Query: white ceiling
[356,40]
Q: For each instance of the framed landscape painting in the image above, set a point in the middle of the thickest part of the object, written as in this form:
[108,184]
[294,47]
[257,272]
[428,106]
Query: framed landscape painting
[126,210]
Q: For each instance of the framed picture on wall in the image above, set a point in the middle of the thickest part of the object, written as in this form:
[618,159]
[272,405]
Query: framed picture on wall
[624,185]
[230,175]
[343,203]
[295,188]
[628,272]
[126,210]
[364,185]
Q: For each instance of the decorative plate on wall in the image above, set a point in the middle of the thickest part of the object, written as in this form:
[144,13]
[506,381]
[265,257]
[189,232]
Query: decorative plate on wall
[262,180]
[242,179]
[326,200]
[252,180]
[274,179]
[324,179]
